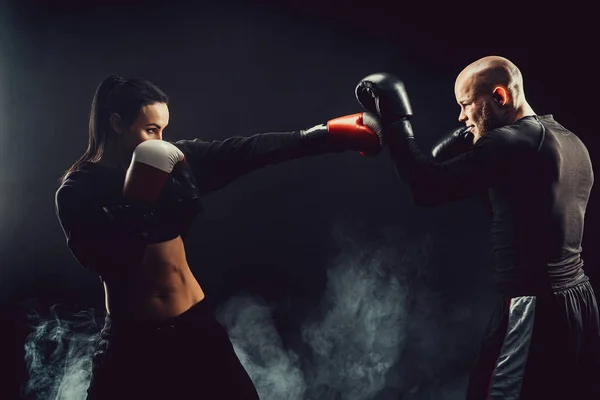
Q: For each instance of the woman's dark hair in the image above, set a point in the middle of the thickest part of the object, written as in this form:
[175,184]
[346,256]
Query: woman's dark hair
[115,95]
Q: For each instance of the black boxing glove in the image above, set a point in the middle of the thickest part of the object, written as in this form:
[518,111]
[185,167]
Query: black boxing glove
[452,144]
[384,94]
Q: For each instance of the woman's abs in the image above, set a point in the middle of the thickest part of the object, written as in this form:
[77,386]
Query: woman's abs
[162,287]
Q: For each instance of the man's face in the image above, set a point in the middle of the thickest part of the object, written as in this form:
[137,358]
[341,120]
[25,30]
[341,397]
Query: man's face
[479,111]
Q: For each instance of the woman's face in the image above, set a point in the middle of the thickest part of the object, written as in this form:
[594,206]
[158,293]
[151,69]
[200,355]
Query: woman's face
[149,125]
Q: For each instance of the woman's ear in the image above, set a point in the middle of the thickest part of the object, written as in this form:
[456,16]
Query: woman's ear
[115,123]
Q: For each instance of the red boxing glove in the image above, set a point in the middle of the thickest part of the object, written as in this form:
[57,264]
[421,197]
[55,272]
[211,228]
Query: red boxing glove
[151,164]
[361,132]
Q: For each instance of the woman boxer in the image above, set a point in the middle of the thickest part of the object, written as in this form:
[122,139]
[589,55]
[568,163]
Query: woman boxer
[125,207]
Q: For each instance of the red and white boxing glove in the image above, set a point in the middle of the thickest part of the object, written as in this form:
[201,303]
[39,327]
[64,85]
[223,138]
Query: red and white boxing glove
[151,164]
[361,132]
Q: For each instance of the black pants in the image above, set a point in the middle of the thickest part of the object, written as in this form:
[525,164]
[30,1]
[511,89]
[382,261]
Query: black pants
[541,347]
[187,357]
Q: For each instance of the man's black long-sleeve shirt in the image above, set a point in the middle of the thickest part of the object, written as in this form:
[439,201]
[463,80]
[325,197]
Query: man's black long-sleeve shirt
[538,175]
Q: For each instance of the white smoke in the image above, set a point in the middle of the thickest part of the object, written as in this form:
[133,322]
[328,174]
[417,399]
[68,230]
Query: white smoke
[360,337]
[275,371]
[58,353]
[355,337]
[376,334]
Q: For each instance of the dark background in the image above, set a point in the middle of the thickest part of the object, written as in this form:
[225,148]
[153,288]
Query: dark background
[279,239]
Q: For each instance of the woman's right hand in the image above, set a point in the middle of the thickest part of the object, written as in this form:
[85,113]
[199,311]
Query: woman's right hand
[151,164]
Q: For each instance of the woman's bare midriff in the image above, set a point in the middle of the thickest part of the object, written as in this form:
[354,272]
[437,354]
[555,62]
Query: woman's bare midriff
[163,286]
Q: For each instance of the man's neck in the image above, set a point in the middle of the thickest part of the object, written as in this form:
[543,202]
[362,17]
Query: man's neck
[522,112]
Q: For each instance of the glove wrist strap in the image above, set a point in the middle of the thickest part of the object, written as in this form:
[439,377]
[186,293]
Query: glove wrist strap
[401,128]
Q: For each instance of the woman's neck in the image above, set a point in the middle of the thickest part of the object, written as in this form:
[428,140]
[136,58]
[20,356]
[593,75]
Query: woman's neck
[112,157]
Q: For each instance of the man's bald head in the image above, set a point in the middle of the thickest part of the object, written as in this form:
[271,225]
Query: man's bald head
[490,94]
[485,74]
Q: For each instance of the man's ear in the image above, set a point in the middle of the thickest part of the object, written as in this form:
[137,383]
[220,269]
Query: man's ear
[115,123]
[500,94]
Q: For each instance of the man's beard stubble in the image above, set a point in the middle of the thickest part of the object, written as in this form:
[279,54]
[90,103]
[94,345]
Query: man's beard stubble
[488,120]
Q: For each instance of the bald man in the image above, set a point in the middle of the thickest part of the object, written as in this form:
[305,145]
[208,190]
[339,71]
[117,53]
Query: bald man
[543,340]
